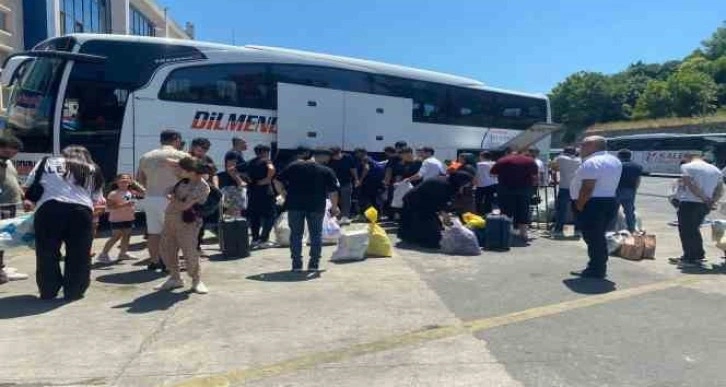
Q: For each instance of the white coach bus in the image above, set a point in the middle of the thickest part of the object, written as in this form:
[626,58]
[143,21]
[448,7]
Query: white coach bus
[114,94]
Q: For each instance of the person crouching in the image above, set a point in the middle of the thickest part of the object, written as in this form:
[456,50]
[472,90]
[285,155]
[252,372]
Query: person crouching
[182,222]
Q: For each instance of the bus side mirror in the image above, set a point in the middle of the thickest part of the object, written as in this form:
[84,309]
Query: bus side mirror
[12,65]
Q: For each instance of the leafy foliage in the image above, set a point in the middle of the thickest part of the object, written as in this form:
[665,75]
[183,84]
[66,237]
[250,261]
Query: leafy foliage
[690,87]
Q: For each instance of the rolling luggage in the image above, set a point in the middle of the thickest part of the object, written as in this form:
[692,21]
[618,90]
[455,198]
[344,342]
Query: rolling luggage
[234,237]
[498,235]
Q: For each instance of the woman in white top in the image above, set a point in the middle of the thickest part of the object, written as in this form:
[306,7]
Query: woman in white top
[64,215]
[486,184]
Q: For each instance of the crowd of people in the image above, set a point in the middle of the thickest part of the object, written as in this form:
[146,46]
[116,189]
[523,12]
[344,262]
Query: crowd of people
[180,191]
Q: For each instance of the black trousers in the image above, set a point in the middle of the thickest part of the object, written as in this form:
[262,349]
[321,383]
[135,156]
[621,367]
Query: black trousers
[594,220]
[260,213]
[484,197]
[690,217]
[56,224]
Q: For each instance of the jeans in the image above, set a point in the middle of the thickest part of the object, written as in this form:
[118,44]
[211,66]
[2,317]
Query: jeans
[6,212]
[296,220]
[564,206]
[690,217]
[594,220]
[626,199]
[484,197]
[345,199]
[58,223]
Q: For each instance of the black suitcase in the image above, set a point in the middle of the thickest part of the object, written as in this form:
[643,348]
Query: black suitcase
[498,234]
[234,237]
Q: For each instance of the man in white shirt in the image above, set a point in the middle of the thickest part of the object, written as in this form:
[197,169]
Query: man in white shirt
[703,187]
[594,188]
[431,167]
[486,184]
[566,164]
[542,173]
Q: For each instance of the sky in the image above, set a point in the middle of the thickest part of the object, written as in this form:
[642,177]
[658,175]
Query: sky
[524,45]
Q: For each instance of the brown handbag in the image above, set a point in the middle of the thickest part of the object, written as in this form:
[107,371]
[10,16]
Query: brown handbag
[649,243]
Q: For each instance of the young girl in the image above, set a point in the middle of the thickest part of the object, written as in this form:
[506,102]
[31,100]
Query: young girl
[182,222]
[121,212]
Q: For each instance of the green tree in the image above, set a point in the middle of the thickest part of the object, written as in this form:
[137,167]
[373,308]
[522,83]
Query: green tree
[697,63]
[719,70]
[693,93]
[656,101]
[583,99]
[715,46]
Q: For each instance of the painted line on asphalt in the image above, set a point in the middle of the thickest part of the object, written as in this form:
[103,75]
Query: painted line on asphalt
[425,335]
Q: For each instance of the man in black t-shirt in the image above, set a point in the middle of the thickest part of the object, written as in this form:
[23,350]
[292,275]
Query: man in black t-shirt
[345,170]
[261,197]
[306,185]
[628,187]
[239,145]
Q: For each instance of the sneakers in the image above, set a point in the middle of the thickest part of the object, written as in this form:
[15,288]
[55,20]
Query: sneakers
[154,266]
[199,287]
[105,259]
[170,284]
[344,221]
[11,274]
[268,245]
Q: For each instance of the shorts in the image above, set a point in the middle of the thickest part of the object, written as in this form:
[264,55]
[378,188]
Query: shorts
[122,225]
[515,203]
[155,208]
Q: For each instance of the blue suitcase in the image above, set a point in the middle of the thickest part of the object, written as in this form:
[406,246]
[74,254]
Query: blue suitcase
[498,234]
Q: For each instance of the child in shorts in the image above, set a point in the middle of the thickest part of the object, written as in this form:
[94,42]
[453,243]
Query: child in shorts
[121,203]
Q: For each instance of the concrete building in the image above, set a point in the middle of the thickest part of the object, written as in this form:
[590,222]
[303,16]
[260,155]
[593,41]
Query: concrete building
[24,23]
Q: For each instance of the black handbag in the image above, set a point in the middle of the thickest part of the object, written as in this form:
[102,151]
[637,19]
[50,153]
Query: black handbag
[35,190]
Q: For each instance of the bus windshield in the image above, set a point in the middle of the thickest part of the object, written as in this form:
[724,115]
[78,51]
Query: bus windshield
[31,107]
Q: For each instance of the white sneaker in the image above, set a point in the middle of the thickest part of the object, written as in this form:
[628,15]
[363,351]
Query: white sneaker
[104,259]
[170,284]
[200,288]
[11,274]
[344,221]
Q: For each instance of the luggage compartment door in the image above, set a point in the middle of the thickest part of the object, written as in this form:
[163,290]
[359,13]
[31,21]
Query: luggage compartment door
[309,116]
[374,121]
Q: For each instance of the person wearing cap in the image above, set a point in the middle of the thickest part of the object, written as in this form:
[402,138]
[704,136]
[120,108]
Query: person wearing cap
[565,165]
[305,185]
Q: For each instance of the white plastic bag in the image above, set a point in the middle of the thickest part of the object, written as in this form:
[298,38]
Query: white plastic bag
[352,245]
[615,240]
[459,240]
[400,190]
[282,230]
[331,228]
[18,231]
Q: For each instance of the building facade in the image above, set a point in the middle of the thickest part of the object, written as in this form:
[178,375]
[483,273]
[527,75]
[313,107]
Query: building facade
[25,23]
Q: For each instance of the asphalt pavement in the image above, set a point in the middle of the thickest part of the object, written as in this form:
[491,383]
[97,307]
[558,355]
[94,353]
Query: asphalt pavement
[418,319]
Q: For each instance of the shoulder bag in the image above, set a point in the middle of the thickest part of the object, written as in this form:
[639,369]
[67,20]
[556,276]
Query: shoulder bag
[35,190]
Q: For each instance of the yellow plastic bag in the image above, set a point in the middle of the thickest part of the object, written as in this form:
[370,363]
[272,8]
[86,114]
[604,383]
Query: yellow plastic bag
[473,221]
[379,245]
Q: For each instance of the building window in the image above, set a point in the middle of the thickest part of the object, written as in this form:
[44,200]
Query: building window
[85,16]
[4,21]
[140,24]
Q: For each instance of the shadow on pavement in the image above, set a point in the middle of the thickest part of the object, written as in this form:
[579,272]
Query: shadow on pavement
[704,269]
[130,277]
[152,302]
[285,276]
[26,305]
[413,247]
[589,285]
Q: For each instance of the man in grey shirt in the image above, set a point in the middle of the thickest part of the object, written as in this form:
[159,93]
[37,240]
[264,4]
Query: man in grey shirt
[566,164]
[11,196]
